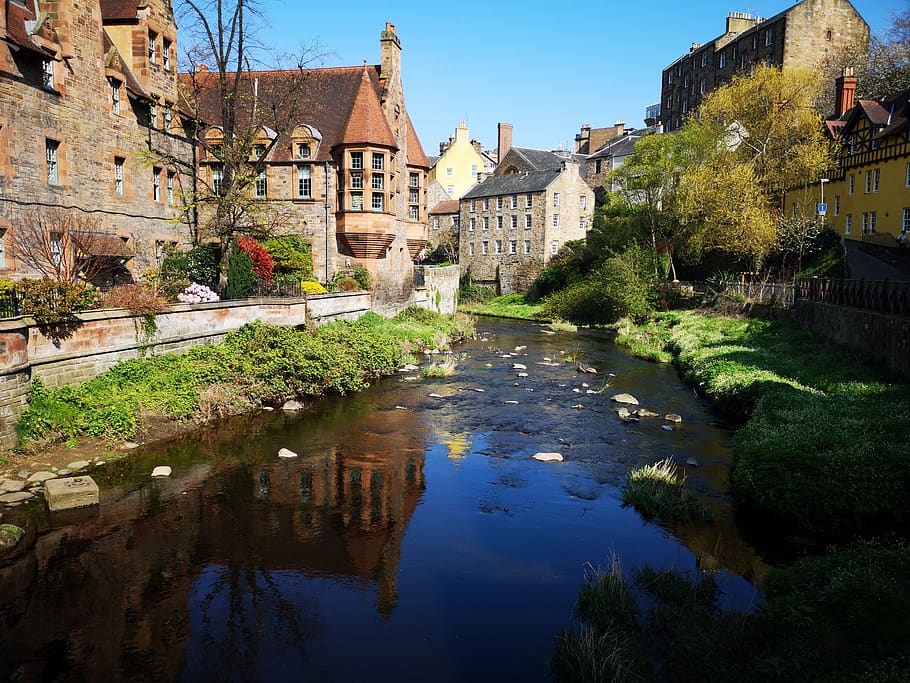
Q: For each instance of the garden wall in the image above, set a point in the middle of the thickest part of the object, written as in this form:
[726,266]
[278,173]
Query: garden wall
[884,337]
[97,340]
[441,288]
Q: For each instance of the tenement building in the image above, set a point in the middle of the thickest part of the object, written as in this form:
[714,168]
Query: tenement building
[806,34]
[88,89]
[515,221]
[343,167]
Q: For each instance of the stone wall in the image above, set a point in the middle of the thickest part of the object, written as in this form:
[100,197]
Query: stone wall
[441,289]
[100,339]
[884,337]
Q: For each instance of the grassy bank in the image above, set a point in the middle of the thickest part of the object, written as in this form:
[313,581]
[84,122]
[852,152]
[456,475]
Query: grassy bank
[257,365]
[507,306]
[824,442]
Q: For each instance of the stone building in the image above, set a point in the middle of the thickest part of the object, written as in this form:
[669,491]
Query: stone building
[87,88]
[515,221]
[349,175]
[867,194]
[443,232]
[805,34]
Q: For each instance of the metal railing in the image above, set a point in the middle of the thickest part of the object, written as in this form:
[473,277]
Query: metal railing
[879,296]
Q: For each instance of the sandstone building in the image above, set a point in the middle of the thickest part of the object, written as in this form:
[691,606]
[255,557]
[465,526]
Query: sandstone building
[87,88]
[805,34]
[515,221]
[349,175]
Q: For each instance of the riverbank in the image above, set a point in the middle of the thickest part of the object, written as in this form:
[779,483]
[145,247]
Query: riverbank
[256,367]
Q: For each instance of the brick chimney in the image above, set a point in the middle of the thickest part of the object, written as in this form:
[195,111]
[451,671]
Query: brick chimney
[504,140]
[845,92]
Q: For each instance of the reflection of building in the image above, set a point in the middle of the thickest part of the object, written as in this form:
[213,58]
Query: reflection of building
[85,89]
[117,592]
[802,35]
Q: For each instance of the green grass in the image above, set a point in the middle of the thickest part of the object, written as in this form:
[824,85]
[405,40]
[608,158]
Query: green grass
[824,438]
[659,491]
[256,365]
[507,306]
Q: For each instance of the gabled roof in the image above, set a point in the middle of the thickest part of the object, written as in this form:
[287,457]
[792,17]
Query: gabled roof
[119,10]
[21,25]
[538,159]
[887,115]
[342,103]
[513,183]
[445,206]
[366,122]
[617,147]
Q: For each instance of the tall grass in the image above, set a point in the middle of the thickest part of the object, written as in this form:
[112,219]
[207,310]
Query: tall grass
[660,491]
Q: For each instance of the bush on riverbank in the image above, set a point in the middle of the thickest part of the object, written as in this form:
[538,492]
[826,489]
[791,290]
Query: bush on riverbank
[825,441]
[836,618]
[256,365]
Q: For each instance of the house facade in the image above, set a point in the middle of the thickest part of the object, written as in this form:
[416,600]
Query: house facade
[87,88]
[459,163]
[867,194]
[805,34]
[515,221]
[348,175]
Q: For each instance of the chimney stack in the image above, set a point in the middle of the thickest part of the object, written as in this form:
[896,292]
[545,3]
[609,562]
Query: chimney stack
[845,90]
[504,140]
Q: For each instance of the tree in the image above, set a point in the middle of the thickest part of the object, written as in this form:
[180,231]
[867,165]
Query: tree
[887,71]
[751,140]
[250,115]
[65,245]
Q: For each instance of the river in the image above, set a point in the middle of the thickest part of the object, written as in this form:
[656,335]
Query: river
[414,538]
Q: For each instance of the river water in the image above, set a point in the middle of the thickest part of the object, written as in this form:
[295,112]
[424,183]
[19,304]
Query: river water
[414,538]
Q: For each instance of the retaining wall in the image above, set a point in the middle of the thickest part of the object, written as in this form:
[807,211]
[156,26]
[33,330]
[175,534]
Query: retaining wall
[78,351]
[884,337]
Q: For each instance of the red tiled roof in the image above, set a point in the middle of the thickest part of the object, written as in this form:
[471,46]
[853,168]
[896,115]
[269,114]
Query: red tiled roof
[366,123]
[118,10]
[325,100]
[18,34]
[416,157]
[446,206]
[874,111]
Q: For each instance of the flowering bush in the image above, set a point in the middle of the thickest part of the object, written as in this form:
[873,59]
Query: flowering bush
[262,260]
[197,294]
[136,297]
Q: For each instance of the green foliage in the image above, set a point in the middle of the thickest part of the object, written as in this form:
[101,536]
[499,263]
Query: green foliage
[362,277]
[508,306]
[261,363]
[347,284]
[660,491]
[6,286]
[622,287]
[469,291]
[173,275]
[825,440]
[240,277]
[202,265]
[49,301]
[291,256]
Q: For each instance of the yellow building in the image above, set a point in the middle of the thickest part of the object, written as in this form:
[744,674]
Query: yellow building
[868,193]
[458,165]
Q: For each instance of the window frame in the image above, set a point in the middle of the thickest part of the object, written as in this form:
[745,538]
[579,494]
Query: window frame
[52,160]
[304,176]
[119,173]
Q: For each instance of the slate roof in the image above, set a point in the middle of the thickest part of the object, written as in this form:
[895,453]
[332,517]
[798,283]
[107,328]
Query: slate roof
[119,10]
[539,159]
[617,147]
[445,206]
[327,103]
[19,33]
[513,183]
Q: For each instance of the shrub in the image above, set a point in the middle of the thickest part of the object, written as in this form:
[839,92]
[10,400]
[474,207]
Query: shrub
[312,287]
[240,277]
[6,286]
[659,490]
[347,284]
[260,257]
[202,264]
[173,275]
[49,301]
[136,297]
[363,277]
[291,256]
[469,291]
[197,294]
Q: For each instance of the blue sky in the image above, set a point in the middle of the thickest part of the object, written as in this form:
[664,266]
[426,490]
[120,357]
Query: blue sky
[547,68]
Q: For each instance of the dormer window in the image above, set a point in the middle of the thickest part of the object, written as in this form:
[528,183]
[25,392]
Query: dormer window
[258,151]
[216,151]
[303,150]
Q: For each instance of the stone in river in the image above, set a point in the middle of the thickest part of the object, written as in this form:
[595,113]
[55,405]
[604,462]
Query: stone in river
[12,485]
[435,396]
[292,406]
[626,398]
[522,374]
[667,428]
[512,403]
[78,465]
[519,366]
[691,462]
[644,412]
[286,453]
[15,497]
[161,471]
[70,493]
[673,417]
[41,477]
[548,457]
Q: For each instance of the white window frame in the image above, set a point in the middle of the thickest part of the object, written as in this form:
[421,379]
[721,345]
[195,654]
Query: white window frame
[357,200]
[484,247]
[514,202]
[166,54]
[261,185]
[377,201]
[527,247]
[529,200]
[156,184]
[876,177]
[377,162]
[47,74]
[868,186]
[513,246]
[556,199]
[115,96]
[497,246]
[528,221]
[471,249]
[170,187]
[357,161]
[555,220]
[582,202]
[499,222]
[905,220]
[153,48]
[872,222]
[513,223]
[51,157]
[413,213]
[435,222]
[486,223]
[837,205]
[554,247]
[769,36]
[851,184]
[848,223]
[217,179]
[119,163]
[472,224]
[305,181]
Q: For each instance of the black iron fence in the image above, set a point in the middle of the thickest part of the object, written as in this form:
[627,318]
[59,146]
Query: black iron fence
[879,296]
